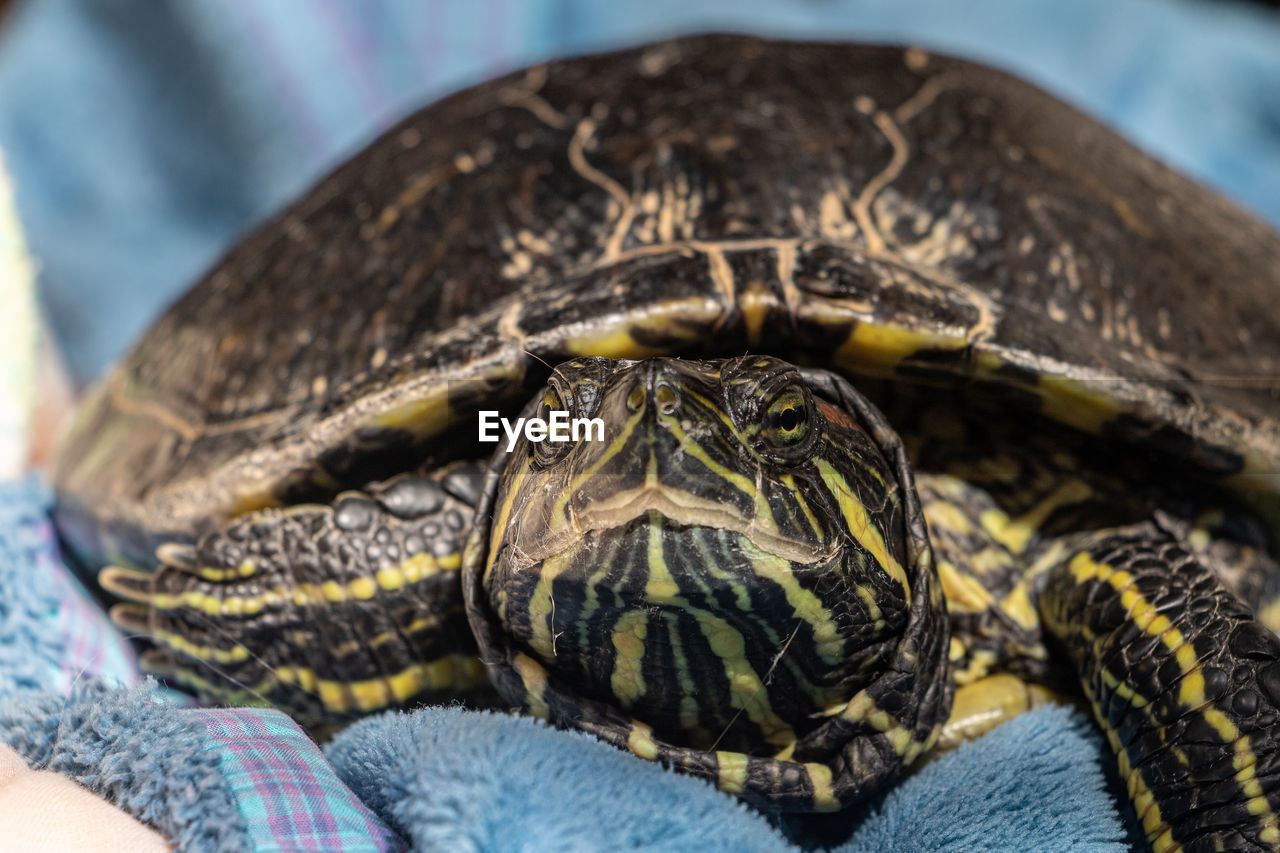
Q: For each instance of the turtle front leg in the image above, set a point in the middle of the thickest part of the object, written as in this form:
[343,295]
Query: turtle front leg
[1185,682]
[323,610]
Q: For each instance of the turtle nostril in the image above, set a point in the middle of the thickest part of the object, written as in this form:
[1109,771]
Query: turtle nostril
[635,400]
[665,396]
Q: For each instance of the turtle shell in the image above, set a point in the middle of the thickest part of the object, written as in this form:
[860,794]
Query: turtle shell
[879,210]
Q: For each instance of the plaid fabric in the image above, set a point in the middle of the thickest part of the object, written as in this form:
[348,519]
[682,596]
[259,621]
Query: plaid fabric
[51,633]
[286,790]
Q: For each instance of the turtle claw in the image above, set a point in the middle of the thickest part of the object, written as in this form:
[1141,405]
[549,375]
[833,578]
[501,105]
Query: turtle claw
[131,618]
[179,555]
[129,584]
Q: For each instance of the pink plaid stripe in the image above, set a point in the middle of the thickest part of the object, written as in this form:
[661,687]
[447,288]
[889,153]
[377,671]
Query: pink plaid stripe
[289,795]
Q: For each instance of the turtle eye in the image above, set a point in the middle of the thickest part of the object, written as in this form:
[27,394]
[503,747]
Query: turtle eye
[554,445]
[786,419]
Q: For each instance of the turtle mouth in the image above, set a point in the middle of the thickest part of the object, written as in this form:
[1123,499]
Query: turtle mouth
[602,514]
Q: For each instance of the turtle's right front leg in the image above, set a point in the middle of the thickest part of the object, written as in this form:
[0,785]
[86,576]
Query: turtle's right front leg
[322,610]
[1184,681]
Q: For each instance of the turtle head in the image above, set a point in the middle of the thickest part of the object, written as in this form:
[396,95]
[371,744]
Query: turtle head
[725,569]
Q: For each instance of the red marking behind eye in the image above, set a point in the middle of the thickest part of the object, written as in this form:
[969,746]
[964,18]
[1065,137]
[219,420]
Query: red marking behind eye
[836,415]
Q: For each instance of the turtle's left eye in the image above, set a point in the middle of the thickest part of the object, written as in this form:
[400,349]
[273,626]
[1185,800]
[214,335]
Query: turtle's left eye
[786,420]
[547,451]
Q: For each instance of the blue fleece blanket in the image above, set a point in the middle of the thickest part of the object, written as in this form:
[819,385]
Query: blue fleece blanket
[447,779]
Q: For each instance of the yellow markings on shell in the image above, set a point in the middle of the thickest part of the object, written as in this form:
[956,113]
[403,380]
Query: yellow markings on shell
[1077,403]
[615,344]
[640,741]
[732,771]
[677,320]
[1015,534]
[755,302]
[879,348]
[245,504]
[534,678]
[417,189]
[860,526]
[627,680]
[423,417]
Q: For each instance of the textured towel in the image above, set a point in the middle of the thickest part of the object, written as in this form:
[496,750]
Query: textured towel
[210,780]
[470,781]
[447,779]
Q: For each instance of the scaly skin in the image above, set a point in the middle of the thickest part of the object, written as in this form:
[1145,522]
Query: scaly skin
[786,617]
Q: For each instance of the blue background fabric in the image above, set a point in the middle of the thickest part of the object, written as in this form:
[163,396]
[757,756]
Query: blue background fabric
[145,135]
[52,634]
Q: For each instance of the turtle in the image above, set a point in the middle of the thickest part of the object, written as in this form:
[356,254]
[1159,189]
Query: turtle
[911,398]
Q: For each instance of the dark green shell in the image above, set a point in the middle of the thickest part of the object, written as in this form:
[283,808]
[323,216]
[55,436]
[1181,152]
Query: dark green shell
[874,209]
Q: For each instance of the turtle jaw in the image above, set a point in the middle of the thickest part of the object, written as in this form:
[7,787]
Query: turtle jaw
[676,509]
[656,617]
